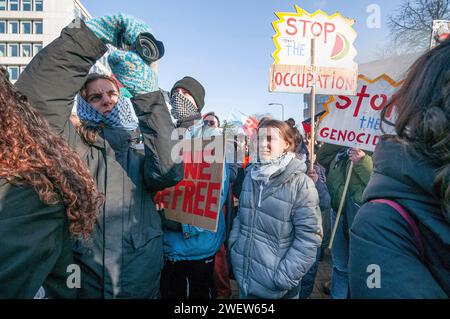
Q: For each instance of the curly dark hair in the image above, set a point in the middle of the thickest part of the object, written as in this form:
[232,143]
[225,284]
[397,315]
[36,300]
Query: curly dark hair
[32,154]
[423,115]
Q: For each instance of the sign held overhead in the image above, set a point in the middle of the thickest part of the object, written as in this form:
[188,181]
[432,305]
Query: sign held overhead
[334,70]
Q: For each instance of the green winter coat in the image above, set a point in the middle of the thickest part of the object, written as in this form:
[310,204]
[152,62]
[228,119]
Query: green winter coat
[337,174]
[124,259]
[35,246]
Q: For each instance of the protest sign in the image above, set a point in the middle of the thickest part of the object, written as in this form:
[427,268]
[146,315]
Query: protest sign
[298,78]
[441,32]
[355,121]
[333,69]
[196,199]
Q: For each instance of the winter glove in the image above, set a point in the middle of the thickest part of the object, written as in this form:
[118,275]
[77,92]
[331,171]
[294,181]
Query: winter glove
[133,73]
[118,30]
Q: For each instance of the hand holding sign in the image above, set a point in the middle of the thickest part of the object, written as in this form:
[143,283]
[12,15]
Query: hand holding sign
[356,155]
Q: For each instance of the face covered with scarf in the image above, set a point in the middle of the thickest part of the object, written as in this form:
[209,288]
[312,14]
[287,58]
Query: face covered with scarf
[100,102]
[183,105]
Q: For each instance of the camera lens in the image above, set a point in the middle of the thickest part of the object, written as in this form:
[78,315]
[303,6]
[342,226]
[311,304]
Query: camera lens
[148,47]
[149,50]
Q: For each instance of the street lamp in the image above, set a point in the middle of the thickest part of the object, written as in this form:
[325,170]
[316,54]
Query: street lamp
[282,109]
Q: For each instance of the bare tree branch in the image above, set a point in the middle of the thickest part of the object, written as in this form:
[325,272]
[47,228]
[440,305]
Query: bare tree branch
[412,24]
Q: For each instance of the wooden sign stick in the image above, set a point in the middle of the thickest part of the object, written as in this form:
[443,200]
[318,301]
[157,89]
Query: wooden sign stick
[313,107]
[341,205]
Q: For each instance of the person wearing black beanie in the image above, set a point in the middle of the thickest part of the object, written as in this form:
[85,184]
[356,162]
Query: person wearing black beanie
[187,98]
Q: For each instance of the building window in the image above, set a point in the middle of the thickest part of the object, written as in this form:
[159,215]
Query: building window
[38,5]
[2,5]
[14,72]
[26,27]
[38,27]
[36,48]
[13,50]
[2,49]
[2,26]
[13,27]
[14,5]
[26,50]
[26,5]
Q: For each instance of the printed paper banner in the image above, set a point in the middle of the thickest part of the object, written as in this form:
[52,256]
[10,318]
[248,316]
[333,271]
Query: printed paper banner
[355,121]
[196,199]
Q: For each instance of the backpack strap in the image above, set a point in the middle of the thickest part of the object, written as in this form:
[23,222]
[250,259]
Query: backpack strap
[407,217]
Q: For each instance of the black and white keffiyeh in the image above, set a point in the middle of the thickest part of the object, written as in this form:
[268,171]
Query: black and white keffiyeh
[121,116]
[182,108]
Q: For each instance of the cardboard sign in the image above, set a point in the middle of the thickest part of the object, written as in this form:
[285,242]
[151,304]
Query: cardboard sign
[334,53]
[299,79]
[196,199]
[441,32]
[355,121]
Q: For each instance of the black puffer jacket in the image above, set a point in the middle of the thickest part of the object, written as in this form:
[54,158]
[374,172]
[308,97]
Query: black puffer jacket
[125,257]
[380,236]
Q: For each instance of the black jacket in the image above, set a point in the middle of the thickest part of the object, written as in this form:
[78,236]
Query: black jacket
[125,257]
[380,236]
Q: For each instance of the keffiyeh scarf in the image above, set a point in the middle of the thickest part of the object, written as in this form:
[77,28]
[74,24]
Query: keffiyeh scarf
[121,116]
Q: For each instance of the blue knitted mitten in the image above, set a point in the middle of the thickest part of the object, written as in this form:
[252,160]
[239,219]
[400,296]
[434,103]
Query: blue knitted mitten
[134,74]
[119,30]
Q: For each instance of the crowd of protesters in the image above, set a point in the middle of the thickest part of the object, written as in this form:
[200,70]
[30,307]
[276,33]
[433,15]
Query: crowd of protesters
[78,189]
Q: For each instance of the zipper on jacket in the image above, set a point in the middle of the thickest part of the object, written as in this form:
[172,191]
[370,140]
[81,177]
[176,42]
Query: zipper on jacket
[261,187]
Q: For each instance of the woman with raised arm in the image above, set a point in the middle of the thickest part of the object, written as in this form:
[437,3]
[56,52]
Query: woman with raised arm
[125,144]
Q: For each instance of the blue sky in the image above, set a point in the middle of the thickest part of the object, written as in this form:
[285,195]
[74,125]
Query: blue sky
[227,45]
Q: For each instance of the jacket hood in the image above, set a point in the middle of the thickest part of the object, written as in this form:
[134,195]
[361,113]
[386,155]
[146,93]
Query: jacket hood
[402,174]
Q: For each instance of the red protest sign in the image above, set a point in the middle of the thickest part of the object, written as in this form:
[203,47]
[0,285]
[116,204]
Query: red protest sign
[196,199]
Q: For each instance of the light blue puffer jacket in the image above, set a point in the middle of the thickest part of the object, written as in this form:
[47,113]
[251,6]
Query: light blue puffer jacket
[273,245]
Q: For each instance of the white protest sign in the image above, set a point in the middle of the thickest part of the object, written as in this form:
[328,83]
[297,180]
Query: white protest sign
[354,121]
[335,71]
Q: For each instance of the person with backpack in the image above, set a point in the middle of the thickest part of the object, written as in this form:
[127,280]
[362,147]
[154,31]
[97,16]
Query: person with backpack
[400,238]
